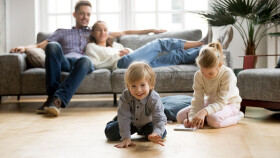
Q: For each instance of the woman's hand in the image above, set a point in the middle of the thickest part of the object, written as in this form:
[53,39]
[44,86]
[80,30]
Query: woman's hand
[123,52]
[126,142]
[158,31]
[155,138]
[198,120]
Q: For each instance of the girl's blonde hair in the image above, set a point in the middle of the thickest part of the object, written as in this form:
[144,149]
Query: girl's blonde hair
[137,71]
[210,55]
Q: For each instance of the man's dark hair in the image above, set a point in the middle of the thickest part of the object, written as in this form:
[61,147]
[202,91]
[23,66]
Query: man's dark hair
[81,3]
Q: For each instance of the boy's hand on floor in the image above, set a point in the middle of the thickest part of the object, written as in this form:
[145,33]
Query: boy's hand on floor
[125,143]
[156,139]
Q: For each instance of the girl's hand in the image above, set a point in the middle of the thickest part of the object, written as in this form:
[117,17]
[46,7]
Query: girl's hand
[124,52]
[198,120]
[125,143]
[187,123]
[155,138]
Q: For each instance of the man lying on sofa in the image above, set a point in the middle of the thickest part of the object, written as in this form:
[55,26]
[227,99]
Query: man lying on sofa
[65,51]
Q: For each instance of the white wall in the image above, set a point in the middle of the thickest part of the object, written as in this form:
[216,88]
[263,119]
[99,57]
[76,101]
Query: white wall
[2,26]
[20,22]
[273,47]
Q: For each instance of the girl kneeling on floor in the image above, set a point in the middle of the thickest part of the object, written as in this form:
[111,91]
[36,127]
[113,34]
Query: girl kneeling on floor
[216,96]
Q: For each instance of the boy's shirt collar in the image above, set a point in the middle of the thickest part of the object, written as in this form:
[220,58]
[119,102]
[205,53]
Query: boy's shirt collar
[143,101]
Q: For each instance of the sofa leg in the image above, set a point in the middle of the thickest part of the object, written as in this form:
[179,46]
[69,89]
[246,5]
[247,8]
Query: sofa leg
[243,109]
[18,97]
[115,99]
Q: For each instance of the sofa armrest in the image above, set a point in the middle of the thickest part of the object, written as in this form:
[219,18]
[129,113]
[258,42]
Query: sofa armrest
[11,67]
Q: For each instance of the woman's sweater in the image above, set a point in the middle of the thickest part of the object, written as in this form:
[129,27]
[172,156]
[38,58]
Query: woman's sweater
[105,57]
[217,92]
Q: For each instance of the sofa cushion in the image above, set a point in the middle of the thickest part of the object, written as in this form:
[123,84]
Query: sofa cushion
[176,78]
[136,41]
[34,82]
[36,57]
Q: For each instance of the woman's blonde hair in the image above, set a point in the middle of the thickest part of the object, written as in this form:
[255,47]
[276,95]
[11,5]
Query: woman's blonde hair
[210,55]
[109,41]
[137,71]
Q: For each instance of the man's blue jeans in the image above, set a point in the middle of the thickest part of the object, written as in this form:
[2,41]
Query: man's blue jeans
[57,62]
[112,130]
[151,51]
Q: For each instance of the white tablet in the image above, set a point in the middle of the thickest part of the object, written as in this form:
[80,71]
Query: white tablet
[181,127]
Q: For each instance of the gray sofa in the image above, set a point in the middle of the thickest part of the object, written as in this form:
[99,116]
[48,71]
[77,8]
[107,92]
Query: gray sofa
[17,78]
[259,88]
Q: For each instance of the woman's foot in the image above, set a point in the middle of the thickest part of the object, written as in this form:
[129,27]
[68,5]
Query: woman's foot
[208,38]
[226,38]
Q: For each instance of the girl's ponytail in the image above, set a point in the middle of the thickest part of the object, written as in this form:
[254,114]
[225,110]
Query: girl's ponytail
[210,55]
[218,47]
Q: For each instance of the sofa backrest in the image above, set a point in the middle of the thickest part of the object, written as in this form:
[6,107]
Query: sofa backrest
[41,36]
[136,41]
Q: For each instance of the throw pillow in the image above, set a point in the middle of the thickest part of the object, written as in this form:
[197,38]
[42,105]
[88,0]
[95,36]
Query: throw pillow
[173,104]
[36,57]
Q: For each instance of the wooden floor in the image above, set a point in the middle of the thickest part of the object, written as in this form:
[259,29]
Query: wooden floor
[79,132]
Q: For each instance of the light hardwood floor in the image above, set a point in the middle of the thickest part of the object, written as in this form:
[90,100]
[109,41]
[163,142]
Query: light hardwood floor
[79,132]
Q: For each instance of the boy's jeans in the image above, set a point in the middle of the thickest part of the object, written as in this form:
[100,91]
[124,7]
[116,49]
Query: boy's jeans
[57,62]
[112,130]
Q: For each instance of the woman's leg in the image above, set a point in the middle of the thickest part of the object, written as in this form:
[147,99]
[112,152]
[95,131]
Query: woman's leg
[228,116]
[151,50]
[192,44]
[182,114]
[176,57]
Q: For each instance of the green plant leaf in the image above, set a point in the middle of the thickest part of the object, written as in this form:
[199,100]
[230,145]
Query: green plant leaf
[251,18]
[275,34]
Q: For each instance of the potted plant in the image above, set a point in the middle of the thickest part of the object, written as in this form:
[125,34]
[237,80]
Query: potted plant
[251,18]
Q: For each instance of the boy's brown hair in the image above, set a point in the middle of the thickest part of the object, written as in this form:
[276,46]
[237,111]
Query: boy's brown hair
[137,71]
[82,3]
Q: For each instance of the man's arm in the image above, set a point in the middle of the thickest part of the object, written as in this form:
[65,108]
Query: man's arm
[22,49]
[137,32]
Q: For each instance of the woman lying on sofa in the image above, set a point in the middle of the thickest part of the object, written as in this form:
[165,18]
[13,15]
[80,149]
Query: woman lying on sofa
[107,54]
